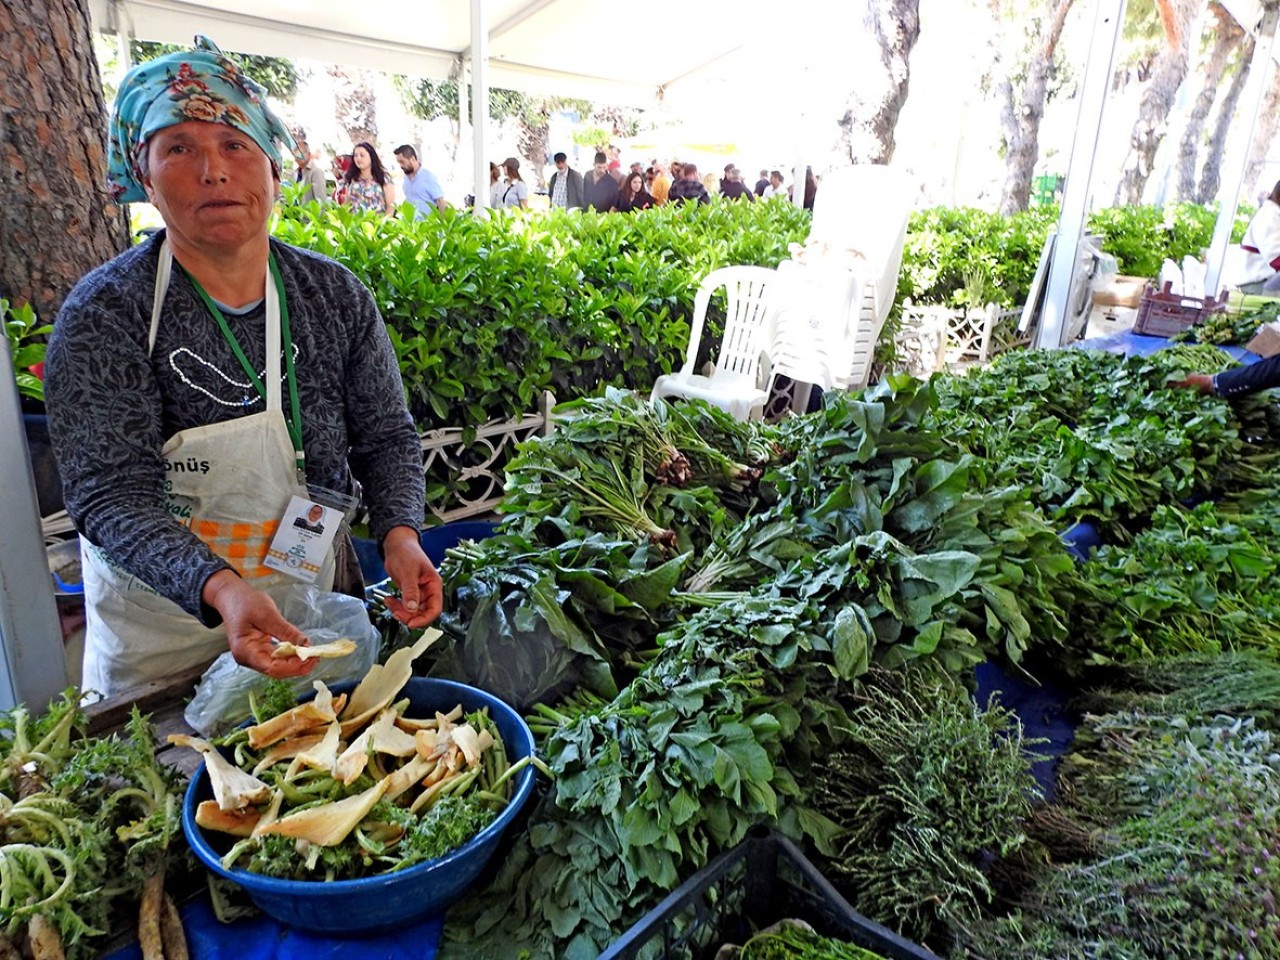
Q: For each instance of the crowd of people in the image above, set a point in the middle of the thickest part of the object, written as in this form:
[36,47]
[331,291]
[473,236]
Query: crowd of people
[362,183]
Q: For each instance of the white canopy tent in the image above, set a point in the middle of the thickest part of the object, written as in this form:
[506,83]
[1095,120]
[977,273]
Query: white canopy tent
[566,47]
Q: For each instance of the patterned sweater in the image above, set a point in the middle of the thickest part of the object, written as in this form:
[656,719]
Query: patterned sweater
[111,408]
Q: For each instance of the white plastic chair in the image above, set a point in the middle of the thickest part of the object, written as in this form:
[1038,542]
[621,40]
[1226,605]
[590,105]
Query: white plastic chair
[740,383]
[835,300]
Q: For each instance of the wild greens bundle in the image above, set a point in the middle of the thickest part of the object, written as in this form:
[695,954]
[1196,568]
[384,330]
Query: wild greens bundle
[86,827]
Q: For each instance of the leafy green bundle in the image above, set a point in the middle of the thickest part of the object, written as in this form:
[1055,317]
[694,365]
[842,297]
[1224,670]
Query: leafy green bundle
[86,822]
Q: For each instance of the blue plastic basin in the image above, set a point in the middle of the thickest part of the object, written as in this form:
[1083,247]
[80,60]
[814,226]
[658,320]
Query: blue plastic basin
[389,899]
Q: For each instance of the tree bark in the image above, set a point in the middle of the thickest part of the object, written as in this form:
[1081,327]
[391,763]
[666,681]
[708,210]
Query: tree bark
[57,220]
[1167,74]
[1227,35]
[871,113]
[1021,116]
[1211,172]
[1263,134]
[535,128]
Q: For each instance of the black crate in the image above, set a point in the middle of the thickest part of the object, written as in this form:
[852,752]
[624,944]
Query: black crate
[759,882]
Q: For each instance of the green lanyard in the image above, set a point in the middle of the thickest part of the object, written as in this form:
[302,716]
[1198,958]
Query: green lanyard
[294,421]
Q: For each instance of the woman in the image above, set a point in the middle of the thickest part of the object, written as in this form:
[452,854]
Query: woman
[496,185]
[201,380]
[368,186]
[1261,270]
[516,192]
[632,195]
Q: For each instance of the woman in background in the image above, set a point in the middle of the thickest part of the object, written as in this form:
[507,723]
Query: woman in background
[1261,243]
[368,186]
[516,192]
[632,195]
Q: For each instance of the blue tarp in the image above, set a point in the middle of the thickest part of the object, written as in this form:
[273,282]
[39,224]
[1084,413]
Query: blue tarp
[1139,345]
[261,938]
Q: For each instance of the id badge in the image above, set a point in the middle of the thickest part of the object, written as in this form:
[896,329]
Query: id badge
[306,533]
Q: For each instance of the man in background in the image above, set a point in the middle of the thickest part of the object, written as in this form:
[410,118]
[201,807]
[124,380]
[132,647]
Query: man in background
[421,188]
[688,186]
[599,188]
[732,186]
[762,183]
[566,185]
[311,174]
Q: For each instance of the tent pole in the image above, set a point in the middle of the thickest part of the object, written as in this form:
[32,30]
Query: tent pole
[1107,24]
[462,160]
[33,666]
[1243,123]
[479,100]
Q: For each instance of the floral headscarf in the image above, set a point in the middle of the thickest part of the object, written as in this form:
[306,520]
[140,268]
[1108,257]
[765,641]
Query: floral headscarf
[200,84]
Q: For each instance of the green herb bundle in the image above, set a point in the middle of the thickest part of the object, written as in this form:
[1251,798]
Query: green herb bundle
[87,822]
[926,786]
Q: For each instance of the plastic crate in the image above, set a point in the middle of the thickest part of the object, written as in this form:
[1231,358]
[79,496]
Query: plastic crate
[759,882]
[1163,313]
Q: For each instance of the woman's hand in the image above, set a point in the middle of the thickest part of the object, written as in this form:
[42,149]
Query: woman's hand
[254,623]
[421,589]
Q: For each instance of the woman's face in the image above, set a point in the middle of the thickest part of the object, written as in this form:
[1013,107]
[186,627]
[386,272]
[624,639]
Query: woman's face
[212,184]
[635,182]
[362,160]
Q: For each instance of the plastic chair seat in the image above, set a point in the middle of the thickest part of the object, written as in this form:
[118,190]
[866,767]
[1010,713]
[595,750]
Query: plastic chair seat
[735,393]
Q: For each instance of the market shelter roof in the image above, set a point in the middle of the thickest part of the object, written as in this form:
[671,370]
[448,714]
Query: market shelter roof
[564,47]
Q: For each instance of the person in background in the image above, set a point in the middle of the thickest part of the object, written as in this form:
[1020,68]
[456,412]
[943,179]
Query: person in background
[615,162]
[421,188]
[762,183]
[566,185]
[810,188]
[599,188]
[660,185]
[341,164]
[774,187]
[733,188]
[310,173]
[728,168]
[203,378]
[632,195]
[516,192]
[1260,272]
[368,186]
[496,185]
[688,187]
[637,167]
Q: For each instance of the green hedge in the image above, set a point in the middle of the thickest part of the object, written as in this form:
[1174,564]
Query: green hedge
[486,314]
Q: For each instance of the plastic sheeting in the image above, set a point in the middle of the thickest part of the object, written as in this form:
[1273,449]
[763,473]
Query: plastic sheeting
[261,938]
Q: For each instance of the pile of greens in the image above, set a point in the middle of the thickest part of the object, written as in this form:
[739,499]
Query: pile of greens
[707,667]
[1202,580]
[1188,866]
[926,786]
[1100,437]
[85,825]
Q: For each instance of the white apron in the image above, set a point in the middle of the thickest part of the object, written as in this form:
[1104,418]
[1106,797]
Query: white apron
[229,484]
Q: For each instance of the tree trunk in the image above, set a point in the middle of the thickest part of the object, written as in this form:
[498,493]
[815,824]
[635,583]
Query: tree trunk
[57,220]
[1263,134]
[1020,118]
[871,112]
[535,128]
[1167,74]
[355,106]
[1227,35]
[1210,173]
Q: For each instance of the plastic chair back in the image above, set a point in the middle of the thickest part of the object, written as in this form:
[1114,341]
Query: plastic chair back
[738,383]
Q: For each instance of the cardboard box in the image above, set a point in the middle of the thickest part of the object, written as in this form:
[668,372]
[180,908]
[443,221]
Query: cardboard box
[1122,292]
[1266,342]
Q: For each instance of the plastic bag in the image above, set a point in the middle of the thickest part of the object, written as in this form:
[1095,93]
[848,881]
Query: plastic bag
[221,700]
